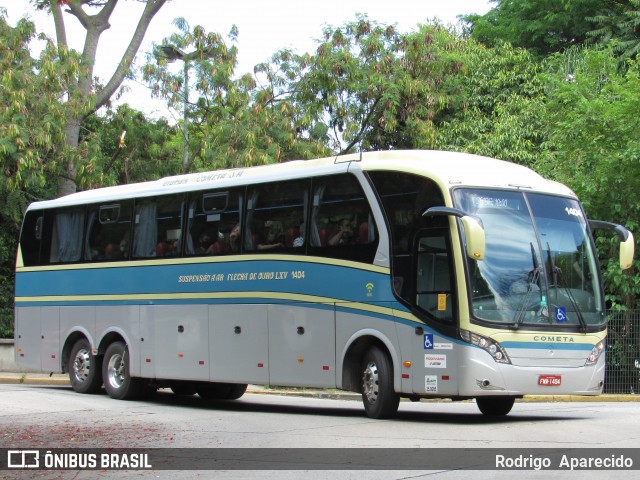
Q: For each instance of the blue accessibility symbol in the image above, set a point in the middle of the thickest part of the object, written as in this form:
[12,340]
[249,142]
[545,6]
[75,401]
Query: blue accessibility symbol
[428,341]
[561,314]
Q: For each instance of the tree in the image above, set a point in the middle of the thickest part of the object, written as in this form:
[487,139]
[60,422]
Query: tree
[619,29]
[542,26]
[593,145]
[495,110]
[369,86]
[82,99]
[130,148]
[232,121]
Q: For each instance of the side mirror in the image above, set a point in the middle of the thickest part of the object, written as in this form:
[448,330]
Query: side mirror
[627,244]
[627,249]
[476,243]
[473,231]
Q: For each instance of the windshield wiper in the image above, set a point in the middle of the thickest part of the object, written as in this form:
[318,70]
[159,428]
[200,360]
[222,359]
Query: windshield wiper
[558,282]
[532,280]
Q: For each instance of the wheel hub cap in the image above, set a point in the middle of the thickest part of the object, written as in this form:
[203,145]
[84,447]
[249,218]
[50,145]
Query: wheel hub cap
[370,383]
[82,365]
[115,371]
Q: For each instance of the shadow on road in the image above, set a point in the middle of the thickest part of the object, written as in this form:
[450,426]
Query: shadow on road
[327,407]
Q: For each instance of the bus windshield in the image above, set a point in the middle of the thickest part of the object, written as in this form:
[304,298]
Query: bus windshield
[540,267]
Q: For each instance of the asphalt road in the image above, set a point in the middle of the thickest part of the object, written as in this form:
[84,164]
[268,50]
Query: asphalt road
[53,416]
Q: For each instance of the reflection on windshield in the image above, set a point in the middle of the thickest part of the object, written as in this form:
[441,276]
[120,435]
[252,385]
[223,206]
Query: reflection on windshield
[539,266]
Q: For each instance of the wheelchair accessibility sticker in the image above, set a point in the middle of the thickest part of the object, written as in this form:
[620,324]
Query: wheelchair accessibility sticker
[428,341]
[561,314]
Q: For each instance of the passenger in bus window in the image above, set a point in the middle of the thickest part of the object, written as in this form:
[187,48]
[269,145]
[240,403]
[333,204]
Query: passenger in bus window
[299,240]
[344,235]
[204,244]
[228,244]
[123,250]
[233,239]
[271,238]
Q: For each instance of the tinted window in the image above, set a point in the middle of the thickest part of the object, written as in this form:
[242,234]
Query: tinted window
[108,232]
[276,217]
[158,227]
[31,236]
[65,234]
[214,223]
[405,197]
[341,223]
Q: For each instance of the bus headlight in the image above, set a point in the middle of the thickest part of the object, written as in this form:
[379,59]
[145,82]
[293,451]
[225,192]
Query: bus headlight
[492,348]
[596,351]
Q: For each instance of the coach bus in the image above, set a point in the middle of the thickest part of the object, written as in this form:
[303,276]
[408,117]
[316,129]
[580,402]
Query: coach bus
[404,274]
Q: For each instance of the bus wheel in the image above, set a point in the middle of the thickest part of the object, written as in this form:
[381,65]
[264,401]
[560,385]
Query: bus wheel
[115,374]
[378,396]
[84,368]
[222,391]
[495,406]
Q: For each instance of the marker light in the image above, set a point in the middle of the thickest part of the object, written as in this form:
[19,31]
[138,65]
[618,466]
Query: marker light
[596,351]
[492,348]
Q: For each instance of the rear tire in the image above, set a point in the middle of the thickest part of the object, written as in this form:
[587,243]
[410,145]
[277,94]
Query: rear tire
[84,368]
[118,383]
[378,396]
[495,406]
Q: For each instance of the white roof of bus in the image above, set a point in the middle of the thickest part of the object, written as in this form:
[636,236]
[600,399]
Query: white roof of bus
[448,169]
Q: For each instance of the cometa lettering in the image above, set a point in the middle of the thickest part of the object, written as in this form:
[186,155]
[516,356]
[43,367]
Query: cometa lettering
[554,338]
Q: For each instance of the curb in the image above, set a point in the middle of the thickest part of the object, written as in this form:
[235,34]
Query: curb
[60,379]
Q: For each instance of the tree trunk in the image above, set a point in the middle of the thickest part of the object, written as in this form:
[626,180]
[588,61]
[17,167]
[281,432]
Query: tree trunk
[80,93]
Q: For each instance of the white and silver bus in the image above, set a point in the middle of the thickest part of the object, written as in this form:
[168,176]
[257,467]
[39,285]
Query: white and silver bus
[413,274]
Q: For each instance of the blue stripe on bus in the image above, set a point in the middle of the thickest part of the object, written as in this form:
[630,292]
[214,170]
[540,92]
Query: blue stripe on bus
[302,278]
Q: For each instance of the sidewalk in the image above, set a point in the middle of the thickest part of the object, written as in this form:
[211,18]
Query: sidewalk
[63,379]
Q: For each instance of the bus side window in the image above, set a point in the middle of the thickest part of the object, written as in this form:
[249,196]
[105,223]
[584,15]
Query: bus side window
[158,227]
[213,223]
[66,239]
[342,225]
[31,237]
[108,232]
[404,197]
[276,215]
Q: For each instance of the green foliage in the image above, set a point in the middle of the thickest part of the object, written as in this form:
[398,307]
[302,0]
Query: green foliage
[593,145]
[128,147]
[369,86]
[496,108]
[31,114]
[619,28]
[232,121]
[541,26]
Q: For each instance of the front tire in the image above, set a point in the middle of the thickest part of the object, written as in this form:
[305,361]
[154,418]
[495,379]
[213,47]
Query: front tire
[84,368]
[118,383]
[378,396]
[495,406]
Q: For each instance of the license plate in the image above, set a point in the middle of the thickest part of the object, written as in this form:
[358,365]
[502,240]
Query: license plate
[550,380]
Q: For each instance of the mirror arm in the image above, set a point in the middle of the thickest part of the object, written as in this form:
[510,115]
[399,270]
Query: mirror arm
[622,232]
